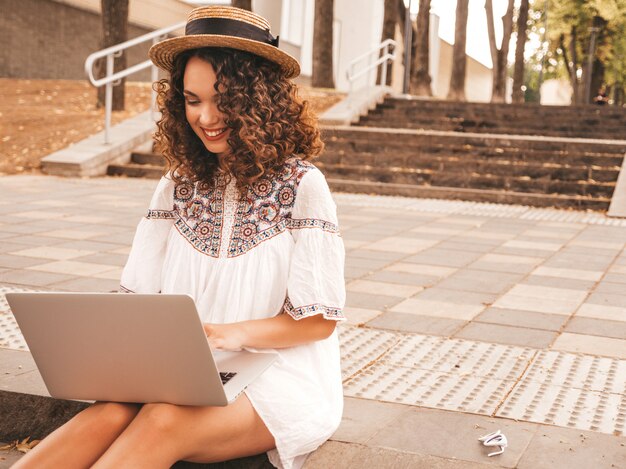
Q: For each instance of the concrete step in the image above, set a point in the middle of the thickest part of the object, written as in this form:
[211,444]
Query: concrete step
[567,121]
[468,180]
[136,170]
[461,164]
[475,195]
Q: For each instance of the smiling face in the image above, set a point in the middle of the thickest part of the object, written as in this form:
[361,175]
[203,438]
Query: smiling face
[201,105]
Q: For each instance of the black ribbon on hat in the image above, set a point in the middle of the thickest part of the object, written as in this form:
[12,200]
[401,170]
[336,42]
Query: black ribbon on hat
[229,27]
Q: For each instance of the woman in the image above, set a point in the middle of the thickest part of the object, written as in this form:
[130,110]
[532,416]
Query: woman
[246,225]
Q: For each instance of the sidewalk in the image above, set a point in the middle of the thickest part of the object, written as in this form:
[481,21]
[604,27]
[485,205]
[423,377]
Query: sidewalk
[464,318]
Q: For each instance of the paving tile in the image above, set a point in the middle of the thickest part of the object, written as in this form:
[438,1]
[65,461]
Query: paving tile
[125,250]
[104,258]
[349,235]
[443,257]
[404,245]
[567,448]
[11,246]
[51,252]
[480,281]
[614,277]
[72,234]
[438,230]
[607,299]
[599,327]
[72,268]
[355,272]
[533,245]
[503,334]
[383,288]
[455,245]
[559,282]
[439,309]
[590,344]
[595,244]
[34,240]
[352,455]
[87,284]
[9,261]
[501,267]
[618,269]
[363,418]
[612,313]
[554,234]
[371,264]
[430,270]
[608,287]
[358,316]
[33,278]
[511,251]
[114,274]
[123,237]
[528,319]
[377,255]
[369,301]
[453,435]
[456,296]
[509,259]
[575,274]
[415,323]
[403,278]
[539,305]
[550,293]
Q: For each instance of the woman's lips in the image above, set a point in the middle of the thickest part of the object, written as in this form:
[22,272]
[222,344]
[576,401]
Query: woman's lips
[214,134]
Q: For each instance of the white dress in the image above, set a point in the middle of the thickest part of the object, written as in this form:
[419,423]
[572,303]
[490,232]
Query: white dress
[276,251]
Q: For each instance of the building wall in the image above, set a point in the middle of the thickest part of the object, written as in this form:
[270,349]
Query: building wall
[477,77]
[52,39]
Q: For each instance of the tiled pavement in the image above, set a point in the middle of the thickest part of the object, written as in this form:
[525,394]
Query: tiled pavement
[463,318]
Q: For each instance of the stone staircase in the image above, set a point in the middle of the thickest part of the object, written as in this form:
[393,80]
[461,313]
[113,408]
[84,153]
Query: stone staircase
[592,122]
[523,154]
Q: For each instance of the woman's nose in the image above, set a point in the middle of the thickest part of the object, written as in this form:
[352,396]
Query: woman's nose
[209,115]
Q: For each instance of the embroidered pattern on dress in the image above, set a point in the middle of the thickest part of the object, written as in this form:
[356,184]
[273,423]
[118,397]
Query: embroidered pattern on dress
[302,312]
[162,215]
[205,218]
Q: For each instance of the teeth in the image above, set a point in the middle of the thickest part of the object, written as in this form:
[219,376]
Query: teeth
[214,133]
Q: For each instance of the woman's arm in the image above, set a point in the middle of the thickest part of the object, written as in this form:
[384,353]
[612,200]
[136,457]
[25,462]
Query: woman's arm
[278,332]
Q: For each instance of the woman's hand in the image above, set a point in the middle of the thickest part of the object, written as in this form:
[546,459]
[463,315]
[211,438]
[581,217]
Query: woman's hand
[225,336]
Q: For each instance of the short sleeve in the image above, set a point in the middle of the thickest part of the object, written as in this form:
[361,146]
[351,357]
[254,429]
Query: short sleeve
[142,272]
[316,282]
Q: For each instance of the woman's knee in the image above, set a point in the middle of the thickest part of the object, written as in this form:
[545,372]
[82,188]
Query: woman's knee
[160,418]
[112,416]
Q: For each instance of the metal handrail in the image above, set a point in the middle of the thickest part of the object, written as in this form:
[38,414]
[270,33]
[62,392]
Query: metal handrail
[111,79]
[384,59]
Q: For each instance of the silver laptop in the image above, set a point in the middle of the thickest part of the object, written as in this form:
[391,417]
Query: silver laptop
[130,348]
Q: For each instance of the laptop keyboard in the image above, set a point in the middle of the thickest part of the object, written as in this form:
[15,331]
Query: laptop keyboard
[226,377]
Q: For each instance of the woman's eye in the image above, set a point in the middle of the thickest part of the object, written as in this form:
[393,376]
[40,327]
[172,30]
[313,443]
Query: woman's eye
[191,102]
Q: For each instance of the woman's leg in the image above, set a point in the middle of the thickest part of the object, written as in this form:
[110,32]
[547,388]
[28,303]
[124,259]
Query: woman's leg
[162,434]
[82,440]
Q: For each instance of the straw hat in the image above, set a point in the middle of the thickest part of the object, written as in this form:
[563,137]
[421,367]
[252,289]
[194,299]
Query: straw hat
[222,26]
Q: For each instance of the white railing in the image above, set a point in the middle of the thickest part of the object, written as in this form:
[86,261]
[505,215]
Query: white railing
[388,48]
[111,79]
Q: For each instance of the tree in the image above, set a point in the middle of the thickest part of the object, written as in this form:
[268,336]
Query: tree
[323,45]
[420,78]
[114,31]
[389,31]
[499,56]
[522,37]
[245,4]
[457,78]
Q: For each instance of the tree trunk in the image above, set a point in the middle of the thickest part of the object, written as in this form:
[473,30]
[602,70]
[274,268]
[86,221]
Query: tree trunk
[518,73]
[389,32]
[457,79]
[245,4]
[499,56]
[420,78]
[322,76]
[574,68]
[114,31]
